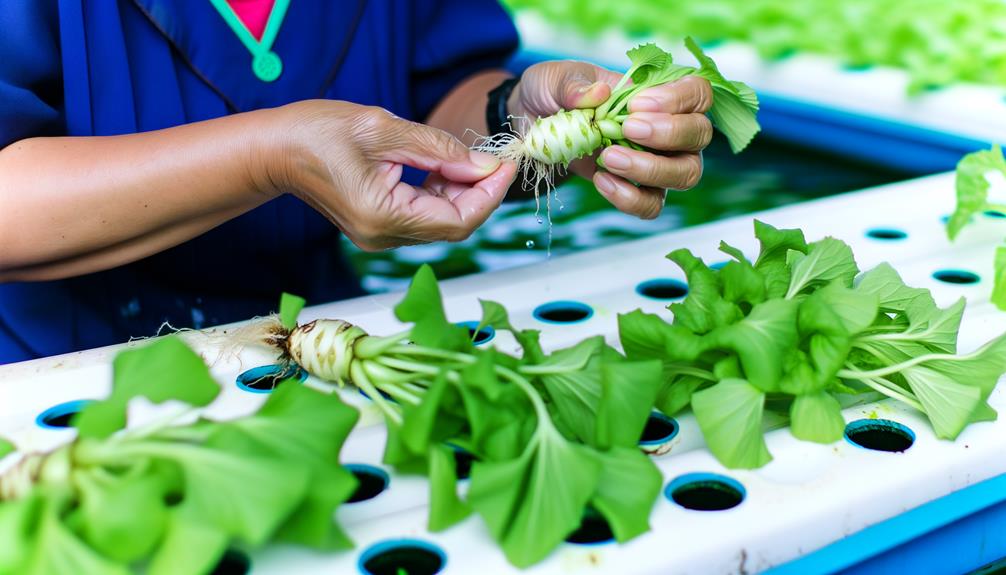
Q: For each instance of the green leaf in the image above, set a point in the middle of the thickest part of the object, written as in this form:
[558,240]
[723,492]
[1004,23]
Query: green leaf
[6,448]
[500,426]
[817,417]
[423,306]
[57,550]
[735,105]
[495,315]
[733,252]
[704,309]
[892,293]
[771,262]
[730,416]
[645,336]
[826,261]
[531,503]
[289,308]
[123,517]
[973,186]
[18,521]
[762,341]
[742,283]
[837,310]
[949,404]
[164,370]
[644,59]
[190,546]
[999,287]
[626,491]
[446,508]
[677,394]
[629,390]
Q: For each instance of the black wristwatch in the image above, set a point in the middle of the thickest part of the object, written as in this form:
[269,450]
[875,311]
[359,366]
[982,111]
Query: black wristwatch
[496,108]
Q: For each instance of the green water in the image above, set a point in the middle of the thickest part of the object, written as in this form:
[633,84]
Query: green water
[766,175]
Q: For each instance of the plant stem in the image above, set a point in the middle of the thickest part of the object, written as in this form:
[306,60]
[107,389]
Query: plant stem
[431,352]
[359,377]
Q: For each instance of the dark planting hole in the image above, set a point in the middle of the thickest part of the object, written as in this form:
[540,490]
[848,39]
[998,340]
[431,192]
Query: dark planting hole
[994,214]
[372,481]
[59,416]
[663,289]
[233,562]
[383,393]
[887,234]
[880,435]
[659,429]
[563,312]
[705,492]
[593,529]
[403,556]
[462,462]
[961,277]
[483,336]
[265,378]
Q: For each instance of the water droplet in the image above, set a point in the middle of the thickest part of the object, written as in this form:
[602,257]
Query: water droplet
[561,207]
[540,220]
[529,244]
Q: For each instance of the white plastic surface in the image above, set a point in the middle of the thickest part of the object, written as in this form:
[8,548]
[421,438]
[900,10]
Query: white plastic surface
[809,496]
[966,110]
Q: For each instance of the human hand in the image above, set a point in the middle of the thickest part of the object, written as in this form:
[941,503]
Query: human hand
[669,118]
[346,161]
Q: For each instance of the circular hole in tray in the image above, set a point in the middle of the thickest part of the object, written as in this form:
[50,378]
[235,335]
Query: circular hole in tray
[485,335]
[879,435]
[396,556]
[705,492]
[960,277]
[463,460]
[59,416]
[659,429]
[233,562]
[593,529]
[372,482]
[265,378]
[663,289]
[563,312]
[994,214]
[886,234]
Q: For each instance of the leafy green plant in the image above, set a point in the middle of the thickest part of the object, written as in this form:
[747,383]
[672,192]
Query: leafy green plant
[936,42]
[173,498]
[553,435]
[973,172]
[795,332]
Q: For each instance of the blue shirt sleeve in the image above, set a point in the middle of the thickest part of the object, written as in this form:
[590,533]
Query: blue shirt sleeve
[31,93]
[453,40]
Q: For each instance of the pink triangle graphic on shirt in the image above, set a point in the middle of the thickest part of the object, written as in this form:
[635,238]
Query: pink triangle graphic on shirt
[254,14]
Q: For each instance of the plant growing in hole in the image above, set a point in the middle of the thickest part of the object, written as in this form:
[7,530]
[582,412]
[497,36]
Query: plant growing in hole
[546,146]
[173,498]
[974,174]
[797,332]
[551,434]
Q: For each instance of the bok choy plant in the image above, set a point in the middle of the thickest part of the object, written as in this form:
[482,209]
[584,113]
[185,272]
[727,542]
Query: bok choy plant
[553,435]
[797,329]
[167,498]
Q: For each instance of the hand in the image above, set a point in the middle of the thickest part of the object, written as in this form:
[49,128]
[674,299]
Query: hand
[346,161]
[669,118]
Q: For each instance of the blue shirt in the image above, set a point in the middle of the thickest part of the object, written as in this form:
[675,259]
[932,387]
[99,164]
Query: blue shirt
[105,67]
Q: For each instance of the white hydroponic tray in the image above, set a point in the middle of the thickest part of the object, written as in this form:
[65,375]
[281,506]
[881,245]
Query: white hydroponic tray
[970,111]
[809,496]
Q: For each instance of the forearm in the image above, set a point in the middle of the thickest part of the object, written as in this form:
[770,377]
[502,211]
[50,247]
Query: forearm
[75,205]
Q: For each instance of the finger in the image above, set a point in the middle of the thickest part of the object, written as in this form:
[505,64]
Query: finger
[551,86]
[455,211]
[688,95]
[389,138]
[643,202]
[678,172]
[669,132]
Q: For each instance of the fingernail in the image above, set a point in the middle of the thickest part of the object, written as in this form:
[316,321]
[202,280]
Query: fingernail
[604,184]
[644,104]
[487,162]
[636,129]
[615,158]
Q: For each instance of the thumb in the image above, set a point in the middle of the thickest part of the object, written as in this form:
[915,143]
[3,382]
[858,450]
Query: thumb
[437,152]
[578,87]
